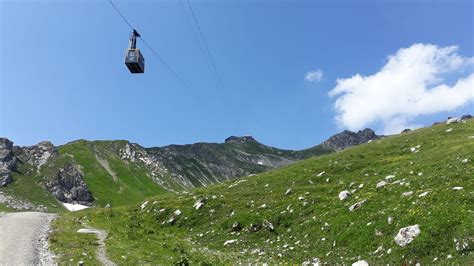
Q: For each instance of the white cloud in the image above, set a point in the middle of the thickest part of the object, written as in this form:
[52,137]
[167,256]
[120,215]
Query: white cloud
[410,84]
[314,75]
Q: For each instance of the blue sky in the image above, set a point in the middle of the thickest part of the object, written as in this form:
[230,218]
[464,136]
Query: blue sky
[62,75]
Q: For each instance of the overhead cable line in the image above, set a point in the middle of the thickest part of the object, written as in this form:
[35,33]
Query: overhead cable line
[219,79]
[177,76]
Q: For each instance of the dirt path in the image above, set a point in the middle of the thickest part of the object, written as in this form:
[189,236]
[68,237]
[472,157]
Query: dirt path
[23,238]
[101,254]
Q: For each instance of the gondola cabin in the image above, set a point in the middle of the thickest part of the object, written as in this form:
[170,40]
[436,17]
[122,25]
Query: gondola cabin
[134,59]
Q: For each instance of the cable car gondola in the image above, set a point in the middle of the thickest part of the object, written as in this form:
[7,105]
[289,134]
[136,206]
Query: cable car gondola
[134,59]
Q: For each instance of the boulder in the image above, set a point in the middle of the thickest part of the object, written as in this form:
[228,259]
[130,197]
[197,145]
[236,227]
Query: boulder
[407,234]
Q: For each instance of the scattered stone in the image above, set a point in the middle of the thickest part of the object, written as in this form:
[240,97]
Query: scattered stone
[457,188]
[407,234]
[357,205]
[453,120]
[300,198]
[379,249]
[288,191]
[268,225]
[143,205]
[312,262]
[381,184]
[389,177]
[407,194]
[322,173]
[343,195]
[389,251]
[449,130]
[465,161]
[236,227]
[360,263]
[389,220]
[228,242]
[423,194]
[461,244]
[449,257]
[199,204]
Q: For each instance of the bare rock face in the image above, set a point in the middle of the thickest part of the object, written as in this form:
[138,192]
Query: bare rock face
[7,161]
[348,139]
[38,154]
[68,186]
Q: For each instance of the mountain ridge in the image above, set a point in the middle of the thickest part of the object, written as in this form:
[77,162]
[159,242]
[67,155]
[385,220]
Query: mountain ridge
[88,172]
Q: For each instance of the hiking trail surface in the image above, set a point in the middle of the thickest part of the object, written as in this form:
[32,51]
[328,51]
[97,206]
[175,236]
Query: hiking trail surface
[23,239]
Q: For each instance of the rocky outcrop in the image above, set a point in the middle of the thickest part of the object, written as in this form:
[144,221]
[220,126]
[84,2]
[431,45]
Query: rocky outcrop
[7,161]
[68,186]
[37,155]
[240,140]
[348,138]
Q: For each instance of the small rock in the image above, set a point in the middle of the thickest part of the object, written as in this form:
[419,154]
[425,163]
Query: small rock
[449,130]
[199,204]
[322,173]
[360,263]
[423,194]
[407,194]
[236,227]
[389,220]
[381,184]
[389,177]
[449,257]
[288,191]
[465,161]
[407,234]
[457,188]
[228,242]
[357,205]
[343,195]
[143,205]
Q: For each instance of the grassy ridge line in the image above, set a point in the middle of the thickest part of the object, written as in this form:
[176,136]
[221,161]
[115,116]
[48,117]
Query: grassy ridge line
[311,221]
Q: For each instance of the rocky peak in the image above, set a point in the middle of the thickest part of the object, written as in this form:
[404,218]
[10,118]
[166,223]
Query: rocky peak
[348,138]
[39,154]
[240,140]
[7,161]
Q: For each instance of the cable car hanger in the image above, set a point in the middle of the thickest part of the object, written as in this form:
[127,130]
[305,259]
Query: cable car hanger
[134,59]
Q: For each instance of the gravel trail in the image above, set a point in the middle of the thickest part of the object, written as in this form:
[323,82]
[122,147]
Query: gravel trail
[23,238]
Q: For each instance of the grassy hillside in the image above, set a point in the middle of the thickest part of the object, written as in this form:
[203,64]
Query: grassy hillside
[259,221]
[110,179]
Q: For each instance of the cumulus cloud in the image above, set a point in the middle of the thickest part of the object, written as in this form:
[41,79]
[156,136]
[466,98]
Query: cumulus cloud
[314,76]
[412,83]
